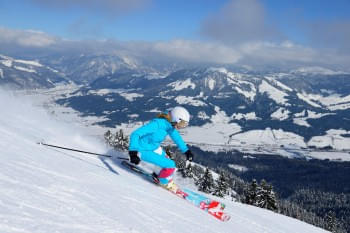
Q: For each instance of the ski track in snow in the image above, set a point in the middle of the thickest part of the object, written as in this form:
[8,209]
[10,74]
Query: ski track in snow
[43,189]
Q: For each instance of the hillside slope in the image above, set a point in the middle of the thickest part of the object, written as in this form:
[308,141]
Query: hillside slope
[48,190]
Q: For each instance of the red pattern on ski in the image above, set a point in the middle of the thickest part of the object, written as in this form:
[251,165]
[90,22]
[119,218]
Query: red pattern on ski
[214,208]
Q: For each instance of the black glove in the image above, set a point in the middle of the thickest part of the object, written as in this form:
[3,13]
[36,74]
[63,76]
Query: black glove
[189,155]
[134,157]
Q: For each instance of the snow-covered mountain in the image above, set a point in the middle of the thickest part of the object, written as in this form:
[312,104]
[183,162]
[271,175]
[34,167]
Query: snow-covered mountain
[303,108]
[296,109]
[19,73]
[86,68]
[49,190]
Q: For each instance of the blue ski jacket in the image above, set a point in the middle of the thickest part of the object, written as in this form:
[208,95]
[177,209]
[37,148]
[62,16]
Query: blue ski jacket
[150,136]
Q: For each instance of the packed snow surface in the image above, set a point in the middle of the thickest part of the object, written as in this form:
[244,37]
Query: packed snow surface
[44,189]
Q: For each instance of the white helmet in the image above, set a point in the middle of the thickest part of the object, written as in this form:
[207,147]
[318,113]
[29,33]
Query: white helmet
[179,114]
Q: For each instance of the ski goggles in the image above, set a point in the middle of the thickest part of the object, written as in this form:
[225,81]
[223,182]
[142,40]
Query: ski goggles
[182,124]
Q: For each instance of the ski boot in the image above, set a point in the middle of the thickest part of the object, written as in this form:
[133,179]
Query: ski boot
[171,186]
[155,178]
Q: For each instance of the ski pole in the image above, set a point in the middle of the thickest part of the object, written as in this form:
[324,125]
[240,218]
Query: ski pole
[81,151]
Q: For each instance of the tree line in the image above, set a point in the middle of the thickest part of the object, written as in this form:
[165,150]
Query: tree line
[229,185]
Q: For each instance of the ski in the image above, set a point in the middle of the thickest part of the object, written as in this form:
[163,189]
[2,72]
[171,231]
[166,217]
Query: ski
[214,208]
[139,170]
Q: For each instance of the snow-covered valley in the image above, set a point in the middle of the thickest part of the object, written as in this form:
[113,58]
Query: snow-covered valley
[217,135]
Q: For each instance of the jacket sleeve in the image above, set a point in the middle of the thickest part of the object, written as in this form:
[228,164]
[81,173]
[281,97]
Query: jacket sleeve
[176,137]
[135,137]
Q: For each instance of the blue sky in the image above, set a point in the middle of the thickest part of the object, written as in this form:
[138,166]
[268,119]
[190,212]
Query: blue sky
[152,20]
[232,29]
[155,20]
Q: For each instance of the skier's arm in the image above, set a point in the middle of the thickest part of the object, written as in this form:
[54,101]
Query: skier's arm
[176,137]
[149,128]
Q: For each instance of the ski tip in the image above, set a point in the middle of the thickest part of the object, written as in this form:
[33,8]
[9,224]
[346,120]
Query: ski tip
[220,215]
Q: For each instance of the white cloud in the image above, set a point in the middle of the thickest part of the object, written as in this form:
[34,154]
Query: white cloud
[290,53]
[285,51]
[254,54]
[111,7]
[196,51]
[26,38]
[239,21]
[245,27]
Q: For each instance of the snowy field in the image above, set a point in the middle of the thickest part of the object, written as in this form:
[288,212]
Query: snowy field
[49,190]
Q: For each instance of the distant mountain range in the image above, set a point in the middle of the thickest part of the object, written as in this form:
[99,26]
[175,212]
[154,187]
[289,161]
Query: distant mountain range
[19,73]
[306,103]
[309,101]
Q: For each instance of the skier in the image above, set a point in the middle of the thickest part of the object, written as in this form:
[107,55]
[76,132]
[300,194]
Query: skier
[145,143]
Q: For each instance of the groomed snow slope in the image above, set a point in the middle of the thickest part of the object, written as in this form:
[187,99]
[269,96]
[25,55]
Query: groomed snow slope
[49,190]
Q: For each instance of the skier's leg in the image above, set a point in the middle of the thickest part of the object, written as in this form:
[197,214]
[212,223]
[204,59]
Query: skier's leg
[166,175]
[158,157]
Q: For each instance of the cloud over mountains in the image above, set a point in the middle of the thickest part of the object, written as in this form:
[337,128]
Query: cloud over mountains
[193,51]
[240,32]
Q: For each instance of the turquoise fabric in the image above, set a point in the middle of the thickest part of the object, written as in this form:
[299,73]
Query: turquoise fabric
[157,159]
[150,136]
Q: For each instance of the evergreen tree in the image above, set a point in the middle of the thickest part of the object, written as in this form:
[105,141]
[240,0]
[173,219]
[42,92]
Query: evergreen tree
[330,221]
[261,195]
[180,164]
[234,196]
[187,171]
[221,187]
[117,141]
[108,136]
[251,193]
[120,141]
[198,172]
[267,198]
[206,182]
